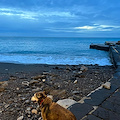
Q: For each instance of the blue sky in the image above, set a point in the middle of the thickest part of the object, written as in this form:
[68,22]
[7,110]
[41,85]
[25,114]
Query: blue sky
[60,18]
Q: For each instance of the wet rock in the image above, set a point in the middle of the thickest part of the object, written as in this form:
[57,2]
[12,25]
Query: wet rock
[25,83]
[37,89]
[39,77]
[45,73]
[80,72]
[34,81]
[20,118]
[34,111]
[29,108]
[13,77]
[27,101]
[83,68]
[66,102]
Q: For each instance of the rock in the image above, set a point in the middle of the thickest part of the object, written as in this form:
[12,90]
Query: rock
[45,73]
[75,92]
[37,89]
[33,81]
[43,80]
[17,88]
[107,85]
[40,118]
[28,109]
[6,106]
[34,111]
[20,118]
[83,68]
[3,85]
[79,72]
[13,77]
[23,98]
[66,102]
[75,81]
[39,77]
[96,72]
[58,92]
[25,83]
[27,101]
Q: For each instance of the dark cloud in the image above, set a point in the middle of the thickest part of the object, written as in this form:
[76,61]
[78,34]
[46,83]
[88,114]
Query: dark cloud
[59,17]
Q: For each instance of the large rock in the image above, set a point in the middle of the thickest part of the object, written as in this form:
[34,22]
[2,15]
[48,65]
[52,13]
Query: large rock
[66,102]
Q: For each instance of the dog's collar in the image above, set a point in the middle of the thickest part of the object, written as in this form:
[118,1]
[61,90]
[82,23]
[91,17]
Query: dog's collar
[41,102]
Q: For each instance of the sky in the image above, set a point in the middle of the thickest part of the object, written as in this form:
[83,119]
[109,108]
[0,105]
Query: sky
[60,18]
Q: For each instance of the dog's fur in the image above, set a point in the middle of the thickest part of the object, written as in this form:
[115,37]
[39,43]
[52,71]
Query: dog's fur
[51,110]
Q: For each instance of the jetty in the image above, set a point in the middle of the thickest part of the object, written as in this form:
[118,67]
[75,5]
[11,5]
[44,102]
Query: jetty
[104,102]
[113,48]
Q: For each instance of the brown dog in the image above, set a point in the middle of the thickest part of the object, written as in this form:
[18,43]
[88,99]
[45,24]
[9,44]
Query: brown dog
[51,110]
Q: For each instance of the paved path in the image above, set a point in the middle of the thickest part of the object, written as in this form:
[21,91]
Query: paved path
[103,104]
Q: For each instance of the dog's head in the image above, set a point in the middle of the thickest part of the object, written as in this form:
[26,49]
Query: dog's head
[38,97]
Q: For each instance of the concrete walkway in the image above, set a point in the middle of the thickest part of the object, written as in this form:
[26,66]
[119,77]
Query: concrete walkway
[102,104]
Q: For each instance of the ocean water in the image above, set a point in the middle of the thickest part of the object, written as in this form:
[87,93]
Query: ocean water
[37,50]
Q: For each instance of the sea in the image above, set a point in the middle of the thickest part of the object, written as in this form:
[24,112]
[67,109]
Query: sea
[53,50]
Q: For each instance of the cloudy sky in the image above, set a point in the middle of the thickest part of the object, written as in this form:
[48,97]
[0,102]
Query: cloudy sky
[60,18]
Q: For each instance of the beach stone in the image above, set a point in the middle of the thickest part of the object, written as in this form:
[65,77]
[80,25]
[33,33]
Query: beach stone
[66,102]
[3,85]
[29,108]
[75,81]
[39,77]
[27,101]
[25,83]
[20,118]
[33,81]
[37,89]
[107,85]
[83,68]
[45,73]
[58,92]
[79,72]
[34,111]
[75,92]
[43,80]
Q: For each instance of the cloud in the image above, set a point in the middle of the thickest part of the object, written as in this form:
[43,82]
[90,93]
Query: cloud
[33,15]
[97,27]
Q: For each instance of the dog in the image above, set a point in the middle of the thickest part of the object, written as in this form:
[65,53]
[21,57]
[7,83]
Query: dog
[51,110]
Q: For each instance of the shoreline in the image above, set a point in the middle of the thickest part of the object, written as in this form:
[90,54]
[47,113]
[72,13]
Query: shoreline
[21,81]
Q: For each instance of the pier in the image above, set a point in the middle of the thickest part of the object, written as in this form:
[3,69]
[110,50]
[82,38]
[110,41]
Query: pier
[102,103]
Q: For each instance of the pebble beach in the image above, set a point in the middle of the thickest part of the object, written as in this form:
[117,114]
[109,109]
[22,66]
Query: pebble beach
[18,83]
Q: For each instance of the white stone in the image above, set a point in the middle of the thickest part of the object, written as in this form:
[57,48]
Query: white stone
[66,102]
[43,80]
[107,85]
[20,118]
[75,81]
